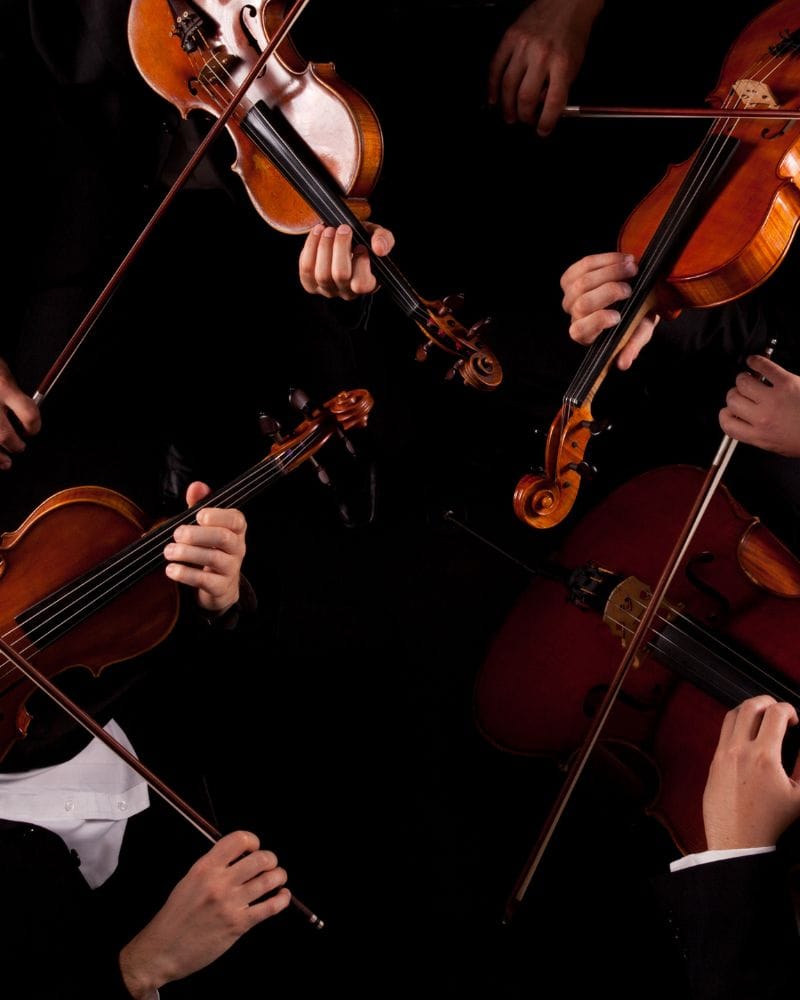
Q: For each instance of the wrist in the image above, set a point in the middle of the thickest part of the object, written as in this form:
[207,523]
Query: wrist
[224,618]
[139,973]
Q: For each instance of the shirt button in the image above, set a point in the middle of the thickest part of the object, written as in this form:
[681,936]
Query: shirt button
[69,805]
[122,805]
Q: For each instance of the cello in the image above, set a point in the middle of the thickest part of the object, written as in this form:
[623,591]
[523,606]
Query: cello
[725,268]
[727,632]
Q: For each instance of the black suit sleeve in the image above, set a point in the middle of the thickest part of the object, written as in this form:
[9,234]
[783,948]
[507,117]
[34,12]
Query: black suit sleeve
[57,940]
[735,926]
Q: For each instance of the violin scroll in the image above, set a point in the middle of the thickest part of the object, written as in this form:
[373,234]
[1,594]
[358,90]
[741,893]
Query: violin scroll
[476,364]
[712,230]
[346,410]
[544,500]
[350,409]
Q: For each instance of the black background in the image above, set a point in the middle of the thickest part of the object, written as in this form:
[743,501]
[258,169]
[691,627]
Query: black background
[340,726]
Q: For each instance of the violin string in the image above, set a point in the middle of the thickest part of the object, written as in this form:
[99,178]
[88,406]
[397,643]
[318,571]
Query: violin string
[711,151]
[712,147]
[718,134]
[601,351]
[137,560]
[85,602]
[255,479]
[331,205]
[774,685]
[304,179]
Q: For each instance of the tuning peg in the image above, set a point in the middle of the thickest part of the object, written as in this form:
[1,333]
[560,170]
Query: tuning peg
[455,370]
[584,469]
[424,350]
[596,427]
[452,303]
[300,401]
[269,426]
[477,329]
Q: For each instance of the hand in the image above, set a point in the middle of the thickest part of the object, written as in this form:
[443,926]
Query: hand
[208,555]
[331,266]
[591,286]
[749,800]
[538,58]
[764,414]
[13,400]
[206,912]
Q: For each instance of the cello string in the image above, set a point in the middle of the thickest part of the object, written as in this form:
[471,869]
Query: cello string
[579,760]
[756,672]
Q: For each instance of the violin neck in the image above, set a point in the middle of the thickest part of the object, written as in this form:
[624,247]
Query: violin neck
[277,140]
[56,614]
[670,237]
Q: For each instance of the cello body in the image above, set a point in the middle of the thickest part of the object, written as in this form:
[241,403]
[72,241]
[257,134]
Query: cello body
[551,661]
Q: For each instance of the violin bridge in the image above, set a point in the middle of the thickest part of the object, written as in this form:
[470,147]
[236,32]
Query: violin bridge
[754,94]
[216,71]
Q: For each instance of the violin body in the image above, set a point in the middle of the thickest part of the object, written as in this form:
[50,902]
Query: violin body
[308,148]
[753,213]
[82,579]
[711,231]
[551,661]
[62,540]
[331,117]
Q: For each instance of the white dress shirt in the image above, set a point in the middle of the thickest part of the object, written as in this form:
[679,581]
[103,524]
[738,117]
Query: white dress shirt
[703,857]
[86,800]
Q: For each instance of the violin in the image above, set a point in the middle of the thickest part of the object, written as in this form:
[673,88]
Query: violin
[82,577]
[308,146]
[713,229]
[727,631]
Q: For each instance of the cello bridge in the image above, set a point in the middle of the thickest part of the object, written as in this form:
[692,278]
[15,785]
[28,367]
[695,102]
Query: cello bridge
[625,608]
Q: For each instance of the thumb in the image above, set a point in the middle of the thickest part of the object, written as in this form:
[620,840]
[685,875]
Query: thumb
[771,371]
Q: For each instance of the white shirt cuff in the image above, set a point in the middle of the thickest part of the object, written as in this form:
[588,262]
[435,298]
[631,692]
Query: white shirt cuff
[705,856]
